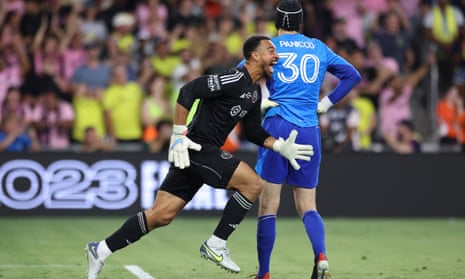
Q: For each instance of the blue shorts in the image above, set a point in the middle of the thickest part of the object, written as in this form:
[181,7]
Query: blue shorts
[274,168]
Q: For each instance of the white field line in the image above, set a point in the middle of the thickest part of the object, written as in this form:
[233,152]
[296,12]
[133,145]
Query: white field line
[139,272]
[39,266]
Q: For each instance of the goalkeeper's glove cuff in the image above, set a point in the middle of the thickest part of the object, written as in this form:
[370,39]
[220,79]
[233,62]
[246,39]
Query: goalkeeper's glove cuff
[278,144]
[179,129]
[324,105]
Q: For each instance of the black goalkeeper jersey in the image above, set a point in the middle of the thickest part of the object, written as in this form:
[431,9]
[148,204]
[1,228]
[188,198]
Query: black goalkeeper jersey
[225,99]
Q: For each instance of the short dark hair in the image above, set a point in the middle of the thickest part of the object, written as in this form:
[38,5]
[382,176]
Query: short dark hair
[251,44]
[289,15]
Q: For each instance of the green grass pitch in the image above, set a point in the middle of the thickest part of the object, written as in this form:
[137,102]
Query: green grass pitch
[33,247]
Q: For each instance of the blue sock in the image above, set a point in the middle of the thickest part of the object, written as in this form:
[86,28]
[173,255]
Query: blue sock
[266,235]
[316,231]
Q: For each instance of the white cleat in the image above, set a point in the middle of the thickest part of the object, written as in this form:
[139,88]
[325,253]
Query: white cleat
[94,265]
[220,256]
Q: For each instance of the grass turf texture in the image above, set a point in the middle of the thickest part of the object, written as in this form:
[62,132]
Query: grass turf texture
[357,248]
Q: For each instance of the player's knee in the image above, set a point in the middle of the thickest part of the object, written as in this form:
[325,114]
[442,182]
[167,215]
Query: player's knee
[269,205]
[159,220]
[255,186]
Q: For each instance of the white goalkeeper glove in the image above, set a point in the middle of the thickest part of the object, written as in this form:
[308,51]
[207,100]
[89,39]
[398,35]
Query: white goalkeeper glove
[293,151]
[324,105]
[179,145]
[266,104]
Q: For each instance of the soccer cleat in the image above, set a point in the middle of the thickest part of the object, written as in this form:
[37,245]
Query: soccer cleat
[94,265]
[320,270]
[220,256]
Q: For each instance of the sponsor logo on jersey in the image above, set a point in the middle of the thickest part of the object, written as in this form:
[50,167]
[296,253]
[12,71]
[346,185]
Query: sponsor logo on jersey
[235,110]
[246,95]
[226,155]
[213,83]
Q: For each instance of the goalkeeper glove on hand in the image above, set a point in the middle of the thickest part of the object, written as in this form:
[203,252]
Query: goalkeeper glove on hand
[324,105]
[179,145]
[266,104]
[293,151]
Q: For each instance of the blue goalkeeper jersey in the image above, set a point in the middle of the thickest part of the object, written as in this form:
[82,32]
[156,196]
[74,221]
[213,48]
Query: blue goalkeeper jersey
[298,76]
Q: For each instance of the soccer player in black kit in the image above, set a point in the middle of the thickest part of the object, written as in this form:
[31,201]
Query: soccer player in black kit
[226,99]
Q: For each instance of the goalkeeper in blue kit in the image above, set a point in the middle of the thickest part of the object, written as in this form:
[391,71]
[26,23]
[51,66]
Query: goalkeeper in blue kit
[294,104]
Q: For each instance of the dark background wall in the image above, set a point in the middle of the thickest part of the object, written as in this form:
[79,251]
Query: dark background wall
[425,185]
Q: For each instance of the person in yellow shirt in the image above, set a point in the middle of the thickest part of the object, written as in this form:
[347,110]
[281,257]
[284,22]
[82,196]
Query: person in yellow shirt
[87,105]
[122,103]
[368,120]
[124,24]
[164,61]
[444,25]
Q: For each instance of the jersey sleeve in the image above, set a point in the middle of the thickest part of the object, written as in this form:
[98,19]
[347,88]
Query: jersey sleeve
[346,73]
[253,130]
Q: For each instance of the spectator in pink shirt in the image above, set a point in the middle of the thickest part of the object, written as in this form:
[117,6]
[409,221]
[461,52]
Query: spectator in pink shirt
[53,119]
[14,62]
[394,99]
[7,77]
[72,44]
[13,104]
[17,6]
[152,17]
[47,56]
[353,12]
[410,7]
[74,56]
[376,6]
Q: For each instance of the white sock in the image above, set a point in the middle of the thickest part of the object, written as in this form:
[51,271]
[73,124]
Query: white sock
[103,251]
[215,241]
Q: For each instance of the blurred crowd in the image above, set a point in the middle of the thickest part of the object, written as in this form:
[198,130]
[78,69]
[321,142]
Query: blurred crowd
[103,75]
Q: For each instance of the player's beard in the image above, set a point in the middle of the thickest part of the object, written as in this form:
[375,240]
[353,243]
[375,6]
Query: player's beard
[267,74]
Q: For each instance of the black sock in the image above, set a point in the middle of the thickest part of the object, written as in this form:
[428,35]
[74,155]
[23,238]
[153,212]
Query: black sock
[131,231]
[233,213]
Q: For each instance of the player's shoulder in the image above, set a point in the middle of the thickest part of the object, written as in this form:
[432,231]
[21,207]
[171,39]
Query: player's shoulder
[232,75]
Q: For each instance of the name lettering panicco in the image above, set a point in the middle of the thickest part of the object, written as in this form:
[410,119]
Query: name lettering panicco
[301,44]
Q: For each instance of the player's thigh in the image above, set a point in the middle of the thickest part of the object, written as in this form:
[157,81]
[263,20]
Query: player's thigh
[305,199]
[246,181]
[213,166]
[269,199]
[307,176]
[182,183]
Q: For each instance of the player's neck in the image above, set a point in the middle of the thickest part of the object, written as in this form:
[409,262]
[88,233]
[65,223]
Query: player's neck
[254,72]
[284,32]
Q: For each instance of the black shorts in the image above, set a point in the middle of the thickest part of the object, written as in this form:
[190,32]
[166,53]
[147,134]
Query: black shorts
[211,166]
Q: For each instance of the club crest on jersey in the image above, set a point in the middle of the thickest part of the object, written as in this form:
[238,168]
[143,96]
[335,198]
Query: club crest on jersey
[235,110]
[213,83]
[226,155]
[254,96]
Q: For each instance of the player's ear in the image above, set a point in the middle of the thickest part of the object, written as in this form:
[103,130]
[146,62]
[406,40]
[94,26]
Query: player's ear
[256,55]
